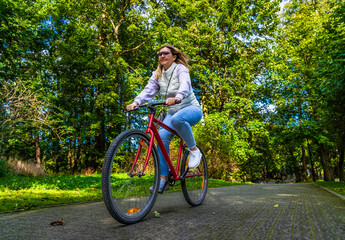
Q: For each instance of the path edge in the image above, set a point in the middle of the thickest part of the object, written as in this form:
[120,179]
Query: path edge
[328,190]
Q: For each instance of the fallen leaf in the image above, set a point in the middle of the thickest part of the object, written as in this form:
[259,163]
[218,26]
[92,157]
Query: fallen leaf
[56,223]
[133,210]
[157,214]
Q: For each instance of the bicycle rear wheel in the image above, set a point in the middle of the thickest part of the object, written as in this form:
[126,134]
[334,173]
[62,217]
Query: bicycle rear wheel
[125,186]
[194,186]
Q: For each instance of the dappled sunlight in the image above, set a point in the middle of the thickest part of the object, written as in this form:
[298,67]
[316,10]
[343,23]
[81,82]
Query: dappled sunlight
[27,168]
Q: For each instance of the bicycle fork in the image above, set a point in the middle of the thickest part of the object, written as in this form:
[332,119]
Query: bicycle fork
[142,144]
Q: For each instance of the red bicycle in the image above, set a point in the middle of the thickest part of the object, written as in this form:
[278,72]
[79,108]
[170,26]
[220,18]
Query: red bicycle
[131,166]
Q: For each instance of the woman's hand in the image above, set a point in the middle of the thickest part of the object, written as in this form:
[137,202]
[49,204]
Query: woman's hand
[172,101]
[131,106]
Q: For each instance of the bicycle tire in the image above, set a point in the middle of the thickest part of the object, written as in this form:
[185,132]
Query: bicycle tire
[126,195]
[194,188]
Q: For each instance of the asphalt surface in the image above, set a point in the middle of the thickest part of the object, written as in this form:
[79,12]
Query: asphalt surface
[263,211]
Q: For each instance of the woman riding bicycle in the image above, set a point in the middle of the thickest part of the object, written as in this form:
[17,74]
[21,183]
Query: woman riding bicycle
[172,79]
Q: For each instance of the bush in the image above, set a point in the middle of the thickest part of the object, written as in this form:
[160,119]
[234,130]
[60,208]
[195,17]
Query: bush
[4,169]
[223,144]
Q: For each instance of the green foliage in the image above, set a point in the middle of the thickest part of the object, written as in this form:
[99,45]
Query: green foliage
[271,83]
[299,82]
[4,169]
[233,150]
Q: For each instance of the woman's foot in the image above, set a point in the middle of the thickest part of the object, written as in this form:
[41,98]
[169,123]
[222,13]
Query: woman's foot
[163,186]
[194,158]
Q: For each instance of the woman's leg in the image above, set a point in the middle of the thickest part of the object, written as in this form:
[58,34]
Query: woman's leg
[166,137]
[182,122]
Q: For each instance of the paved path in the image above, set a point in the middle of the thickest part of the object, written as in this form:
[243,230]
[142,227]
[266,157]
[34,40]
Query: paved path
[265,211]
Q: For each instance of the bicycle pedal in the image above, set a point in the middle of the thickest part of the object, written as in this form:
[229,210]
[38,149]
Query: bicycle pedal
[184,174]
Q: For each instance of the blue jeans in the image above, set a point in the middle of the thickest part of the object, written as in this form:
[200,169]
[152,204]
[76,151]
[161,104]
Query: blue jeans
[181,122]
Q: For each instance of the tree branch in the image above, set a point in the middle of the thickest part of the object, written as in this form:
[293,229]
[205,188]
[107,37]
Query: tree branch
[21,105]
[135,48]
[122,18]
[116,27]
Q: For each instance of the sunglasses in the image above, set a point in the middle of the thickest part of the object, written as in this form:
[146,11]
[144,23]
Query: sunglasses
[163,54]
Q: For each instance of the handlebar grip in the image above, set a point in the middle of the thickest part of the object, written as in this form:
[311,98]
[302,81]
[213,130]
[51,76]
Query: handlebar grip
[133,109]
[177,101]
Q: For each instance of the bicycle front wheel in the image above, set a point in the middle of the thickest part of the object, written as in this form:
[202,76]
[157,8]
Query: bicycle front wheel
[194,185]
[125,182]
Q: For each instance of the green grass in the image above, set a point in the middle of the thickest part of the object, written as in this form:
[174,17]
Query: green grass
[338,187]
[23,193]
[19,193]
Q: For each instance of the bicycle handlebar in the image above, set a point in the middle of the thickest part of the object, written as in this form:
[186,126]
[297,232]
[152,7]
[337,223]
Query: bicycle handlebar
[151,105]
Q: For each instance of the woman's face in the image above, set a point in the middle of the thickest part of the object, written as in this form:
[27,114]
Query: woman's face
[166,58]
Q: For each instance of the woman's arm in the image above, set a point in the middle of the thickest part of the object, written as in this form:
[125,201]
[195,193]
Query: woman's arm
[185,83]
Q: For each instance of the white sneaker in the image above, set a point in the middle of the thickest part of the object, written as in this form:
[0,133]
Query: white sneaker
[194,158]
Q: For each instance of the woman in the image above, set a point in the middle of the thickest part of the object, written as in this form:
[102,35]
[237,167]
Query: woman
[172,79]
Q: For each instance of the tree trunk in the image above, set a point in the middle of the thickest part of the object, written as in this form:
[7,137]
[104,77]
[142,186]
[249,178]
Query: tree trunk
[79,156]
[75,156]
[38,149]
[56,156]
[311,162]
[304,173]
[327,170]
[100,111]
[341,164]
[296,169]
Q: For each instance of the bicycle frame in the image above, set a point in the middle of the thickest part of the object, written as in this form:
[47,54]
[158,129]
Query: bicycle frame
[155,135]
[151,128]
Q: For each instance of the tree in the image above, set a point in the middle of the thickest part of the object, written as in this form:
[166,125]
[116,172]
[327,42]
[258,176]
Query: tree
[297,78]
[23,111]
[332,68]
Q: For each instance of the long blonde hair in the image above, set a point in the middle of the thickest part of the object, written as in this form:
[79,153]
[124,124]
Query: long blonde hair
[181,58]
